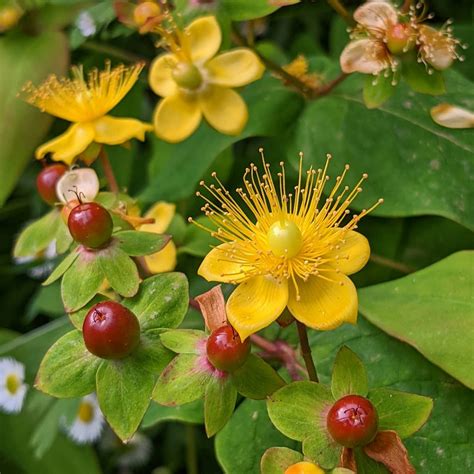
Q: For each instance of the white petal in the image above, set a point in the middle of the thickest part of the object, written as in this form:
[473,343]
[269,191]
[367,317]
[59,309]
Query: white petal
[83,181]
[87,432]
[367,56]
[377,17]
[450,116]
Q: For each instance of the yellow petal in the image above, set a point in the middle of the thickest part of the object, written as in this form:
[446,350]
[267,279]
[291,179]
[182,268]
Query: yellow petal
[324,304]
[352,255]
[224,109]
[218,266]
[162,261]
[163,213]
[367,56]
[160,78]
[67,146]
[255,304]
[377,17]
[115,131]
[235,68]
[202,39]
[176,117]
[451,116]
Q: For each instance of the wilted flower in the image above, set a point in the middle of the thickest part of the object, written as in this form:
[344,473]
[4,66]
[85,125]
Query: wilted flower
[290,253]
[12,386]
[78,182]
[165,259]
[195,82]
[88,423]
[143,15]
[86,101]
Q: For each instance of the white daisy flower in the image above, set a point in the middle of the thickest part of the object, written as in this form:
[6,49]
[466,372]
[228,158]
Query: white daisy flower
[137,451]
[87,425]
[12,386]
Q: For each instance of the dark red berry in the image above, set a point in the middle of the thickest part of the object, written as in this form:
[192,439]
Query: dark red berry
[110,330]
[352,421]
[225,350]
[46,182]
[90,224]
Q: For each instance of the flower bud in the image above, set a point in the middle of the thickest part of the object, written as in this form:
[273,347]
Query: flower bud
[144,12]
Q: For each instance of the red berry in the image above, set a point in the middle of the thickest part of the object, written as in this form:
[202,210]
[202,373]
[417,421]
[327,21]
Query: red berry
[46,182]
[90,224]
[110,330]
[352,421]
[225,350]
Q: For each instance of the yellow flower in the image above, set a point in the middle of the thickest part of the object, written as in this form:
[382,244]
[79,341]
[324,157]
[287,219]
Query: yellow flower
[290,254]
[165,259]
[304,467]
[195,82]
[86,102]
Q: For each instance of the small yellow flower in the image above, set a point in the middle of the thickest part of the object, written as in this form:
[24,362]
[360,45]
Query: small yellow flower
[86,102]
[195,82]
[165,259]
[9,17]
[290,254]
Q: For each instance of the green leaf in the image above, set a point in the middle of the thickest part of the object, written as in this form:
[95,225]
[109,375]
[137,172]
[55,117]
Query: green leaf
[249,433]
[170,162]
[135,243]
[422,80]
[278,460]
[151,355]
[377,90]
[439,158]
[184,341]
[219,404]
[183,381]
[161,302]
[241,10]
[62,267]
[366,465]
[81,281]
[402,412]
[312,399]
[119,270]
[188,413]
[322,448]
[349,376]
[256,379]
[22,127]
[37,235]
[63,238]
[433,310]
[68,368]
[198,242]
[123,391]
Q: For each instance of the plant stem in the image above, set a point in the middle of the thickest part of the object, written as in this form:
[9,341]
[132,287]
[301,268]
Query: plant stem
[389,263]
[342,11]
[109,172]
[306,352]
[406,6]
[191,451]
[113,51]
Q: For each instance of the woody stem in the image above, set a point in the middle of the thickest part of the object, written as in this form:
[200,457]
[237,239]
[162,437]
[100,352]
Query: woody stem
[306,352]
[108,171]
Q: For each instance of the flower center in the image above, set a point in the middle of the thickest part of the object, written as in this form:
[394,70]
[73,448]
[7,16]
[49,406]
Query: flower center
[400,38]
[284,239]
[86,412]
[187,76]
[13,383]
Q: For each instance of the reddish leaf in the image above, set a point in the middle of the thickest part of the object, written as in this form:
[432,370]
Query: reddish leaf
[212,306]
[387,448]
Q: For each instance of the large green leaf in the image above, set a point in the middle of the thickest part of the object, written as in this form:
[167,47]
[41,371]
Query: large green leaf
[124,391]
[68,368]
[433,310]
[24,58]
[417,166]
[349,376]
[219,404]
[192,157]
[240,10]
[135,243]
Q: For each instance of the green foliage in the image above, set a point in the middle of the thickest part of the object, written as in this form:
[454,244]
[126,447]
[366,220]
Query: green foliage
[137,244]
[277,460]
[420,80]
[349,376]
[219,403]
[441,297]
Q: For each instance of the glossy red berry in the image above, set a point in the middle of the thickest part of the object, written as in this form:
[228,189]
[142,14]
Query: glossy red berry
[110,330]
[225,350]
[352,421]
[46,182]
[90,224]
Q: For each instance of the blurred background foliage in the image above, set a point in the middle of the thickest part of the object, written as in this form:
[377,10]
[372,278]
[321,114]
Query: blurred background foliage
[423,172]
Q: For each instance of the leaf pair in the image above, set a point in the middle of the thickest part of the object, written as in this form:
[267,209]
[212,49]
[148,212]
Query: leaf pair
[124,386]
